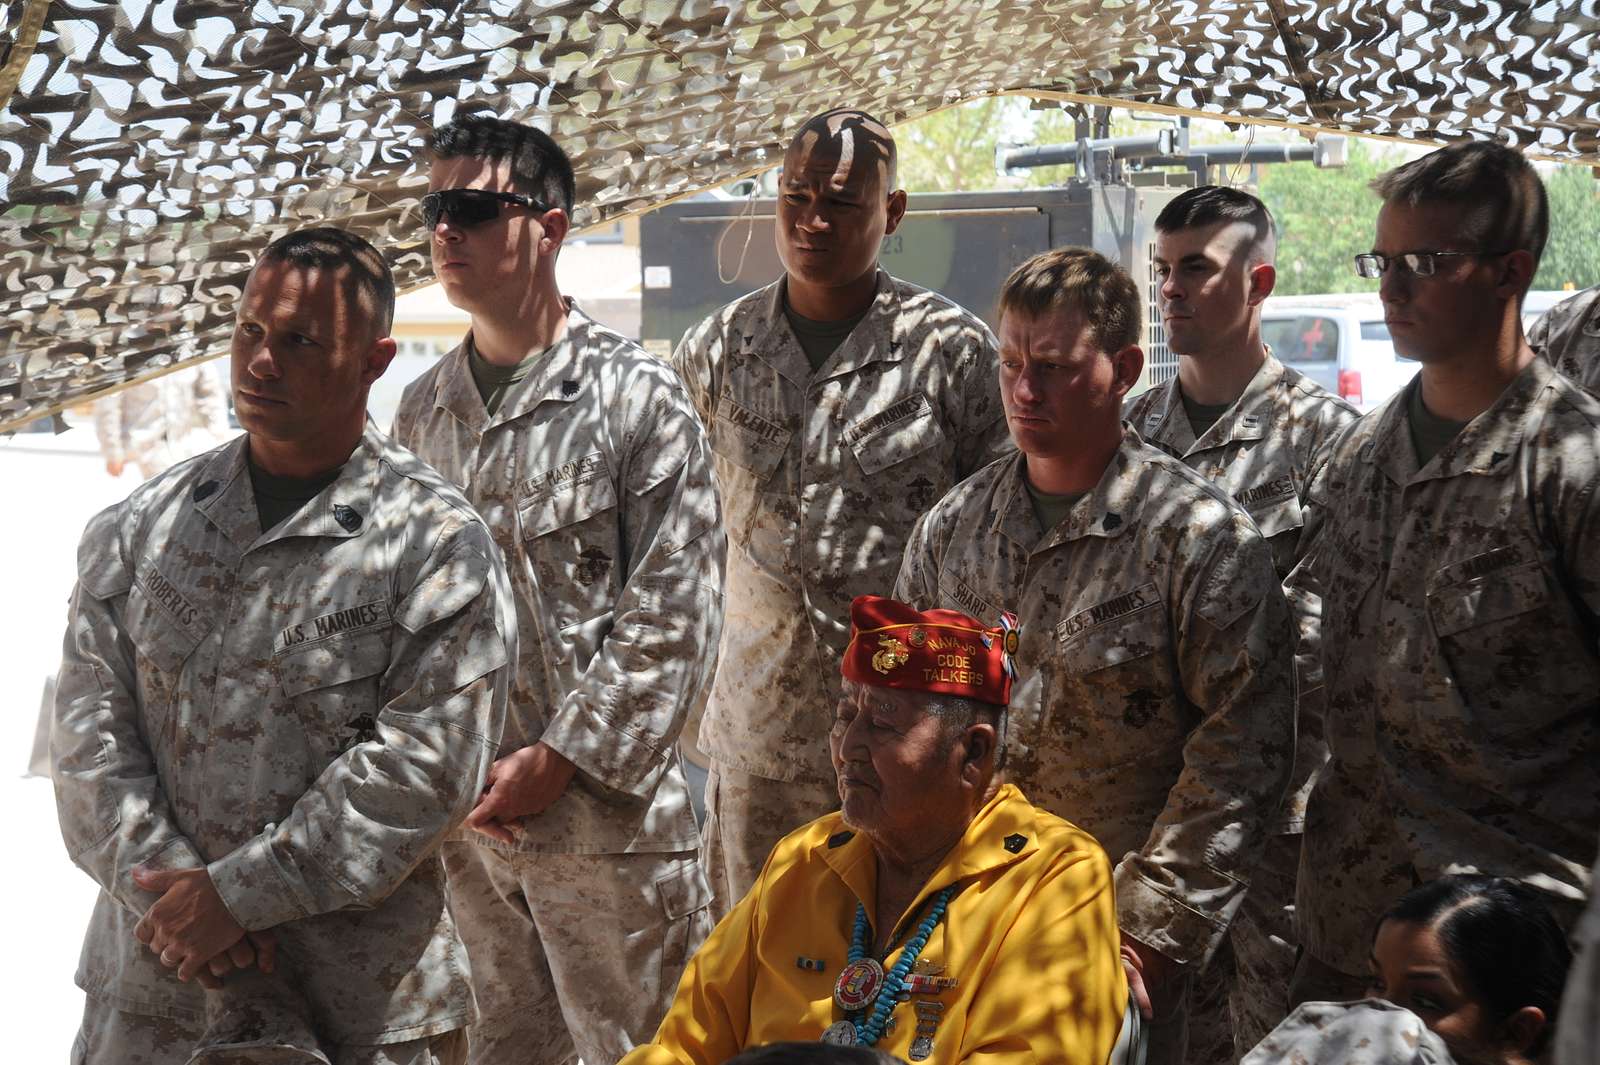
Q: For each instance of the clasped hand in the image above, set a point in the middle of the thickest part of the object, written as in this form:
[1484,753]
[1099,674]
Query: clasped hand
[522,783]
[193,932]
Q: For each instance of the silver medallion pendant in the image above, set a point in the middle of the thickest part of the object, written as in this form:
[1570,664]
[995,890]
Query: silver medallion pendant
[840,1034]
[921,1048]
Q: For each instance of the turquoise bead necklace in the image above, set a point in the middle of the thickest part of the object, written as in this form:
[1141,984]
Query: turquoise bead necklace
[868,1031]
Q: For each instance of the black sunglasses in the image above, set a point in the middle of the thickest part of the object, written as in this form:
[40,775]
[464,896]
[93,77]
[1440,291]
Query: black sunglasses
[471,207]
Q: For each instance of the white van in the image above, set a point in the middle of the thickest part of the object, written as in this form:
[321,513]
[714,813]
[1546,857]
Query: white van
[1339,341]
[1342,342]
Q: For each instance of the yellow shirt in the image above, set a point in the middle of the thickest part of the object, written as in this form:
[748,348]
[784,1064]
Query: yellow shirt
[1030,937]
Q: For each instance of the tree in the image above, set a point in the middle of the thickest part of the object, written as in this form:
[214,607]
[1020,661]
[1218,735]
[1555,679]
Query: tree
[1325,218]
[1572,254]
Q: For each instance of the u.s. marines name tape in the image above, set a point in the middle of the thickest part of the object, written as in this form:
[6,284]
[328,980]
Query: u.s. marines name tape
[350,619]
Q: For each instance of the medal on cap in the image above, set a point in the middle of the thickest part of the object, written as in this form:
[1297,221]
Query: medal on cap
[858,984]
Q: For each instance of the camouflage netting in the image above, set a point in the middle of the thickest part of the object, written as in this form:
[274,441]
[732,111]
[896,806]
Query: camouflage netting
[151,146]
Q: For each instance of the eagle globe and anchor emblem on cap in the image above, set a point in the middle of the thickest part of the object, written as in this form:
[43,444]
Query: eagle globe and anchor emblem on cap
[891,655]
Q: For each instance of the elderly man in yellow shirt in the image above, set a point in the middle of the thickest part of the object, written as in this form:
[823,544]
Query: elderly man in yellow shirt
[939,916]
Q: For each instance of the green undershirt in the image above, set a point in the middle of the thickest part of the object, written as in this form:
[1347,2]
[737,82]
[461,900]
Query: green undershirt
[279,498]
[817,339]
[494,380]
[1050,509]
[1202,416]
[1429,432]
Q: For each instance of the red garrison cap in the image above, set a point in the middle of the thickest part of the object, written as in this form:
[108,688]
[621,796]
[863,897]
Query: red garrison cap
[943,651]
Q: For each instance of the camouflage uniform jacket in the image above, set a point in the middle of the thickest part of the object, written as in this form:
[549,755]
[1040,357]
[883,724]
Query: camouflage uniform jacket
[1261,452]
[822,474]
[1155,689]
[306,713]
[1459,649]
[595,478]
[1567,336]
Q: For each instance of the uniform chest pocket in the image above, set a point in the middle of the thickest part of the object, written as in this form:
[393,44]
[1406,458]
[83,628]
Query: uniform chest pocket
[1346,572]
[1132,638]
[1278,517]
[755,456]
[334,686]
[1488,600]
[580,500]
[1280,525]
[901,431]
[1512,648]
[162,644]
[1121,666]
[751,442]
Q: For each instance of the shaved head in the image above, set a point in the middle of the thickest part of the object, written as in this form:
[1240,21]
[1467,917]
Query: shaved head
[851,135]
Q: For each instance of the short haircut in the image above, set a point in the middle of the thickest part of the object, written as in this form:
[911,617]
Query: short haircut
[539,168]
[1501,938]
[854,119]
[1507,206]
[956,713]
[813,1054]
[327,248]
[1082,280]
[1208,205]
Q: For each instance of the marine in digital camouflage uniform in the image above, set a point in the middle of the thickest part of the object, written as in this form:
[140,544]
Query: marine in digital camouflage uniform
[1155,703]
[156,423]
[841,403]
[1454,541]
[580,896]
[1256,429]
[1567,336]
[271,710]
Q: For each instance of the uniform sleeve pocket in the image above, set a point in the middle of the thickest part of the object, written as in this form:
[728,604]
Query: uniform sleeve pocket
[547,512]
[879,449]
[1507,594]
[330,662]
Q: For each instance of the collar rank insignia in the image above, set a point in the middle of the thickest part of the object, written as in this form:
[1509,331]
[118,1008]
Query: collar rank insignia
[203,492]
[1497,458]
[347,517]
[1015,842]
[1111,521]
[839,839]
[569,388]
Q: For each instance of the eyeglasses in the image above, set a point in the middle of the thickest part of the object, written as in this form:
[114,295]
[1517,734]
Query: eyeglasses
[1417,263]
[470,207]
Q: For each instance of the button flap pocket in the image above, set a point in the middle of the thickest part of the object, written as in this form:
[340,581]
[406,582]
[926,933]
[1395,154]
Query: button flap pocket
[566,495]
[1495,596]
[1280,516]
[163,626]
[1121,629]
[340,659]
[747,439]
[684,891]
[902,430]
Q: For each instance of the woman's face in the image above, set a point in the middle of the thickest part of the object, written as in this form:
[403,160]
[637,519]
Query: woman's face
[1411,969]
